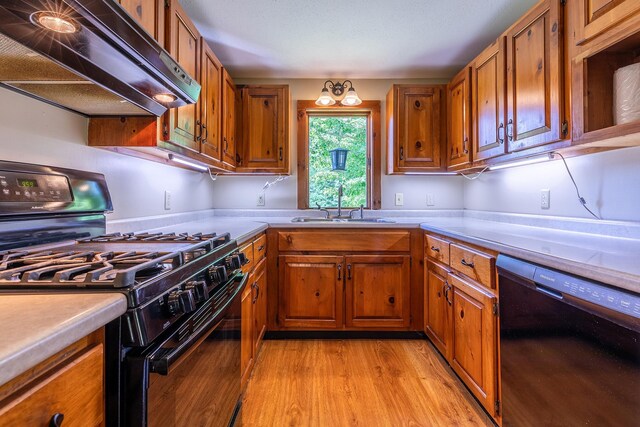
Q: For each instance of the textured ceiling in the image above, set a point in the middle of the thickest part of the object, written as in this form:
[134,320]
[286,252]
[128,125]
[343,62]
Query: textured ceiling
[350,38]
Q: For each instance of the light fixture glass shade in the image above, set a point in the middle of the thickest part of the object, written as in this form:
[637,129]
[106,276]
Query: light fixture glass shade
[325,98]
[351,98]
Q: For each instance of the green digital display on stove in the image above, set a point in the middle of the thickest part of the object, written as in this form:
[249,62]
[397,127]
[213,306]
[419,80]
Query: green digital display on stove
[27,183]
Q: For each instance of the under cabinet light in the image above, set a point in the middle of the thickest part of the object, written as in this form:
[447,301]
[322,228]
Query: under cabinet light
[529,161]
[194,165]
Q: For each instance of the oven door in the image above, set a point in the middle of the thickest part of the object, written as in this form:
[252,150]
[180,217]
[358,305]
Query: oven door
[193,381]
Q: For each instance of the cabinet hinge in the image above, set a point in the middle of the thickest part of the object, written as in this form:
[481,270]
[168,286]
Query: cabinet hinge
[495,309]
[497,407]
[565,128]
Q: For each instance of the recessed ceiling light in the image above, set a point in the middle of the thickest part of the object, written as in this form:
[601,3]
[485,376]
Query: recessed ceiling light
[55,22]
[164,98]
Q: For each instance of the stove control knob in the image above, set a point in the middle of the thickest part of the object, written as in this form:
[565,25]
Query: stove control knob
[181,302]
[234,262]
[199,290]
[218,274]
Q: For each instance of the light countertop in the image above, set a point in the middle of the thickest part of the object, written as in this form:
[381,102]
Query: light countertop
[36,326]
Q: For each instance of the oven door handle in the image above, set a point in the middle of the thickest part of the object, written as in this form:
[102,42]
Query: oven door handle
[160,362]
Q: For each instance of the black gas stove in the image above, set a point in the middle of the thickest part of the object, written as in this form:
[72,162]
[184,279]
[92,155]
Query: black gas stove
[183,293]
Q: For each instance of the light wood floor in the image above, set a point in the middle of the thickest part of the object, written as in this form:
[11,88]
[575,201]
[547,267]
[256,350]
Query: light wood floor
[336,383]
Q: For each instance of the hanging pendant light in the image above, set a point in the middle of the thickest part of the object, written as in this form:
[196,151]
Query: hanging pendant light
[338,159]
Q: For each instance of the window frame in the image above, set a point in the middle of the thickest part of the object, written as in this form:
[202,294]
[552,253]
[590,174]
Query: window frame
[369,109]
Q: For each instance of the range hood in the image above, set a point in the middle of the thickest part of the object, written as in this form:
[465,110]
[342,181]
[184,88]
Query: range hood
[90,57]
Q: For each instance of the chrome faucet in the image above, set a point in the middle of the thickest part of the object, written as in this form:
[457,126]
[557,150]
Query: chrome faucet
[327,214]
[360,209]
[340,194]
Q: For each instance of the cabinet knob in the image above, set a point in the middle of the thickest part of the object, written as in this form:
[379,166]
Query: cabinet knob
[56,420]
[392,300]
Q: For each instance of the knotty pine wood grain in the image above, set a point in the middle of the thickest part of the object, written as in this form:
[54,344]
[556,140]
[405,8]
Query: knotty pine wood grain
[356,383]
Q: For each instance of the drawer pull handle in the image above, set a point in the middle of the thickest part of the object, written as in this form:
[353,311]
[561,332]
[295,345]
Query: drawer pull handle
[257,288]
[260,248]
[289,239]
[348,271]
[56,420]
[462,314]
[446,288]
[467,264]
[434,249]
[339,271]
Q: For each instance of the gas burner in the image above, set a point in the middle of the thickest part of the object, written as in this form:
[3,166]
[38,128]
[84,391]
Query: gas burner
[152,237]
[85,268]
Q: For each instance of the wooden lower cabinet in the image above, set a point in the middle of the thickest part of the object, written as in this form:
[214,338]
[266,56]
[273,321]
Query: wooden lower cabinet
[246,332]
[438,308]
[70,383]
[310,291]
[474,349]
[377,291]
[259,305]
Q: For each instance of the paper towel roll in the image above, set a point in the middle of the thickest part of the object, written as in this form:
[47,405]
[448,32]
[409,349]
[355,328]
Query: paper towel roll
[626,94]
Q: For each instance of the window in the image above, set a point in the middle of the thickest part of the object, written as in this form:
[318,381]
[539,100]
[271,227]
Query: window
[321,129]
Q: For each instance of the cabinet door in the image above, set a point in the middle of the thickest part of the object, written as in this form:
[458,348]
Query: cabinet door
[229,119]
[535,78]
[149,14]
[265,128]
[211,103]
[474,347]
[595,17]
[310,291]
[489,102]
[377,291]
[459,123]
[183,124]
[438,308]
[246,331]
[260,305]
[419,127]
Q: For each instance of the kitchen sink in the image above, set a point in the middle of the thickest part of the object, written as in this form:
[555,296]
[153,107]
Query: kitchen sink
[341,220]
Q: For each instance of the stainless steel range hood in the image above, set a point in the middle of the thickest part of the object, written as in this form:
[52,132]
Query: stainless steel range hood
[101,64]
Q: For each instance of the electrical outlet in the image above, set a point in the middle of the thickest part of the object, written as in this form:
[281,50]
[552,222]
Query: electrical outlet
[261,200]
[431,201]
[545,199]
[399,199]
[167,200]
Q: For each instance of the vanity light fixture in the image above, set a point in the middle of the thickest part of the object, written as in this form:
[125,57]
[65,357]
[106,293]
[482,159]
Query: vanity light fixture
[337,90]
[529,161]
[55,22]
[194,165]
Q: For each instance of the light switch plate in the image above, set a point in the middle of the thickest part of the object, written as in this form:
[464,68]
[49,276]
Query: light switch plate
[431,199]
[261,200]
[399,199]
[167,200]
[545,199]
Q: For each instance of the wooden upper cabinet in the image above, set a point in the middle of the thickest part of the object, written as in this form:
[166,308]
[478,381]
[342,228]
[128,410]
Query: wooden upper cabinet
[596,17]
[377,291]
[149,14]
[459,123]
[183,124]
[228,119]
[211,103]
[474,349]
[416,129]
[310,291]
[488,86]
[265,129]
[534,61]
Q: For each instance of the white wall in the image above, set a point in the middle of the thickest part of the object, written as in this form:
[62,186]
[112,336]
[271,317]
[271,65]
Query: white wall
[242,192]
[34,132]
[609,181]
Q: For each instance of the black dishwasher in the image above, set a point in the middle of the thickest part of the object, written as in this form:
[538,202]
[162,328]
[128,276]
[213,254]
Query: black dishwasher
[569,348]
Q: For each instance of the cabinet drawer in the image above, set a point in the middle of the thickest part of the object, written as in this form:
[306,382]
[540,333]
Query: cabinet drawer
[437,249]
[260,247]
[75,390]
[248,251]
[346,240]
[476,265]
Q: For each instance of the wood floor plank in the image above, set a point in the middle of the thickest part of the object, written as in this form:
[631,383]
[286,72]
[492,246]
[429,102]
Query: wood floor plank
[322,383]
